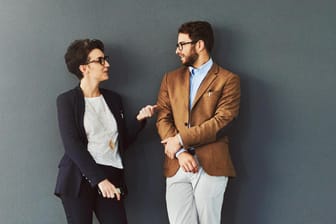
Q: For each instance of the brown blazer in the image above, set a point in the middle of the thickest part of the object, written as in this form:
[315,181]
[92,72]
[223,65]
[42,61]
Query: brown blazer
[215,105]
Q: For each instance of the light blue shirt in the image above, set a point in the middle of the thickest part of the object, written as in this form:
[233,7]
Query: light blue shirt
[196,77]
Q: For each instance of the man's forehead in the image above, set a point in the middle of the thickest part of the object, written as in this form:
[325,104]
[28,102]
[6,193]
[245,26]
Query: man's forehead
[183,37]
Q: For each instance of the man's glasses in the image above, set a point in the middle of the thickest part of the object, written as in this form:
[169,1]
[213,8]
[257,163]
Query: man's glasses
[100,60]
[181,44]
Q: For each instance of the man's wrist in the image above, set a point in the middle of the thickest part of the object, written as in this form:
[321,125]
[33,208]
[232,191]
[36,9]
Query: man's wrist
[179,152]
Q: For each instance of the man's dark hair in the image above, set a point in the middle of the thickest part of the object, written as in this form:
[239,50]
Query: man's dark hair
[199,30]
[77,54]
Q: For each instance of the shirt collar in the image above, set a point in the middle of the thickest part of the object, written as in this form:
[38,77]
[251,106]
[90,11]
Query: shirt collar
[202,69]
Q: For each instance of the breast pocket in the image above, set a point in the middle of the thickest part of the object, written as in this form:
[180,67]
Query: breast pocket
[208,103]
[211,97]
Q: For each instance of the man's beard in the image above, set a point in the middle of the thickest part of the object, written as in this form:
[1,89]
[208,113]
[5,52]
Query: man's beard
[191,59]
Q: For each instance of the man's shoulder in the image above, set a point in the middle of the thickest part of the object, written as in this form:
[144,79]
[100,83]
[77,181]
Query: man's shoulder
[177,71]
[223,72]
[176,75]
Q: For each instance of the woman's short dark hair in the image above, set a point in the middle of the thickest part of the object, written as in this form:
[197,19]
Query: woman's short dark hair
[199,30]
[77,54]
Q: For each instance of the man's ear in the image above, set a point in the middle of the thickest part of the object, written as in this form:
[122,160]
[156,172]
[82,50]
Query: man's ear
[200,45]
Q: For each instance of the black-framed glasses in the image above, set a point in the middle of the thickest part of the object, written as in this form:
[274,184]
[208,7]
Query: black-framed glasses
[100,60]
[181,44]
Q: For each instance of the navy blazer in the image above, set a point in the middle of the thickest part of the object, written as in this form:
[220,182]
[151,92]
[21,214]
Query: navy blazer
[77,163]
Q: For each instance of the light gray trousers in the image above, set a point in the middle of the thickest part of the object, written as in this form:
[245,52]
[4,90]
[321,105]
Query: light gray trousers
[195,198]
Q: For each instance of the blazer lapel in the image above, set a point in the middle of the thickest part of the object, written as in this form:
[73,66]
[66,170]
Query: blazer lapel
[184,88]
[209,78]
[111,104]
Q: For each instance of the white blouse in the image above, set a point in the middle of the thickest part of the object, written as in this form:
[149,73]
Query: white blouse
[101,128]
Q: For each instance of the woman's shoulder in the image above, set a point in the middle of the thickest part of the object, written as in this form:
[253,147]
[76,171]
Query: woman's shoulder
[109,93]
[69,94]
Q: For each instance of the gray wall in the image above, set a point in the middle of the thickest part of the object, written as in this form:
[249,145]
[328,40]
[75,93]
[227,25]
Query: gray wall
[283,145]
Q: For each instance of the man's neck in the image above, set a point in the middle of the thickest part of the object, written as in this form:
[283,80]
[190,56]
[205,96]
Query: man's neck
[202,59]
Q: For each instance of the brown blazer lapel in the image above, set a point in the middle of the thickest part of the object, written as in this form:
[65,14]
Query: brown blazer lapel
[209,78]
[183,87]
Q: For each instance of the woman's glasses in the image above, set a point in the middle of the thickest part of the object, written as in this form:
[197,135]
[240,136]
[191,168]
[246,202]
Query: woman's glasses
[100,60]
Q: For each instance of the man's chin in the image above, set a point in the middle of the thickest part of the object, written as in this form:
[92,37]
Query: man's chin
[184,62]
[187,64]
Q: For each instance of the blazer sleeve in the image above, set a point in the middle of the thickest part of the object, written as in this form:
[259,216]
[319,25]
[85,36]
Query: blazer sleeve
[133,130]
[165,121]
[75,146]
[226,111]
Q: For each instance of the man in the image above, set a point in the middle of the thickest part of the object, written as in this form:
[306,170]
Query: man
[197,103]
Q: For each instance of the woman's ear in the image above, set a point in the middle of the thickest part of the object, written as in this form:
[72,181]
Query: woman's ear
[83,68]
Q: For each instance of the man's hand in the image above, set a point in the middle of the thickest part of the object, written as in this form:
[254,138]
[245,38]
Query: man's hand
[187,162]
[172,145]
[108,190]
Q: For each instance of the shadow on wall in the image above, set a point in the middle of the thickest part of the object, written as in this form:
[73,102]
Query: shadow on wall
[249,149]
[145,155]
[250,137]
[119,69]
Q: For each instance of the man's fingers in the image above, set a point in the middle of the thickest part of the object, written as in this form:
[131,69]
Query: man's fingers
[195,166]
[170,155]
[190,166]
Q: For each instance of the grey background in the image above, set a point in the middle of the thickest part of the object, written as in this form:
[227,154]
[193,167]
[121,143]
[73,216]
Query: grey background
[283,145]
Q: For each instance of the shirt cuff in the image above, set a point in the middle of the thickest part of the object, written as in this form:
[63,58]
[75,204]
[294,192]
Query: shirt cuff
[180,139]
[179,152]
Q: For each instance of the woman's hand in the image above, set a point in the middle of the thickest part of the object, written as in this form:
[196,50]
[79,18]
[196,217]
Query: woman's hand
[108,190]
[146,112]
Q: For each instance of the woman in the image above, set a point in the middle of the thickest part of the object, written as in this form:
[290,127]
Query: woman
[92,126]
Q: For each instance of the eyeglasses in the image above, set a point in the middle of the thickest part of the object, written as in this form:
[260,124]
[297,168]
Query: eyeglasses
[100,60]
[181,44]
